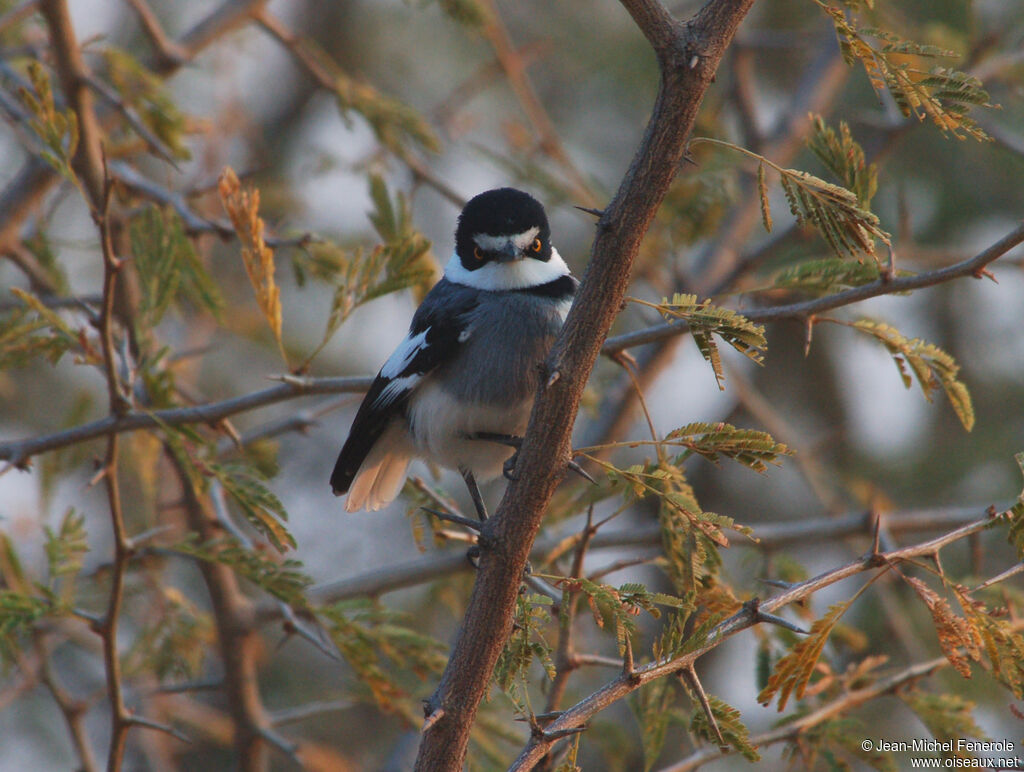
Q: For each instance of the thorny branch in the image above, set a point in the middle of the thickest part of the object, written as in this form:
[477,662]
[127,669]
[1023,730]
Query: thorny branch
[749,616]
[688,56]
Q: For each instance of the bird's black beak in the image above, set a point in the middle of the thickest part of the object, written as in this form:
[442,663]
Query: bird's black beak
[508,253]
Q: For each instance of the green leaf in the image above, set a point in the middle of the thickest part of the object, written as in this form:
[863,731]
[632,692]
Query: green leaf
[168,266]
[175,643]
[947,716]
[705,320]
[526,645]
[652,706]
[66,546]
[262,508]
[1015,534]
[382,652]
[829,275]
[733,730]
[37,331]
[145,94]
[752,448]
[281,578]
[844,158]
[931,366]
[944,96]
[57,129]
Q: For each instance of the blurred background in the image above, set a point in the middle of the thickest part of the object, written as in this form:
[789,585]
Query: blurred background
[553,98]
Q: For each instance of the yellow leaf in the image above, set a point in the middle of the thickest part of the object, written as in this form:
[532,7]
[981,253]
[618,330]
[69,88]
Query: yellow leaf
[242,207]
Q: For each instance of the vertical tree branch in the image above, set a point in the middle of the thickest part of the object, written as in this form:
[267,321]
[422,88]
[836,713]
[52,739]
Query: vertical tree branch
[236,633]
[688,56]
[74,79]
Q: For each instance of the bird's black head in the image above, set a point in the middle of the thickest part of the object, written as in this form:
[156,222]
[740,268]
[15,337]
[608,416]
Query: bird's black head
[502,226]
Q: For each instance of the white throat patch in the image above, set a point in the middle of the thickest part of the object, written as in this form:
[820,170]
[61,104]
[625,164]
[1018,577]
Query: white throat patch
[508,276]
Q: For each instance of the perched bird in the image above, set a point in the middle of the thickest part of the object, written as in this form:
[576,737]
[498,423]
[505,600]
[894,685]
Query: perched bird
[459,388]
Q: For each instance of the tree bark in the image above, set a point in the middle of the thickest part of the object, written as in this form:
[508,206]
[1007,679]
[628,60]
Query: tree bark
[688,55]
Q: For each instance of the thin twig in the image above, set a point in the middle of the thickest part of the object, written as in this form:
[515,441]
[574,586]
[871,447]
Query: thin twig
[18,452]
[742,620]
[802,310]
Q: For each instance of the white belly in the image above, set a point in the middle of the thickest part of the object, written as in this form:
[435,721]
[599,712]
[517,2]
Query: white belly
[439,427]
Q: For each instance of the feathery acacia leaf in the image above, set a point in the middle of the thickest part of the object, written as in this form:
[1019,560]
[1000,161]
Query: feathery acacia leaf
[931,366]
[380,649]
[829,275]
[144,92]
[652,706]
[847,226]
[402,260]
[242,207]
[762,193]
[947,716]
[958,639]
[705,320]
[1015,534]
[1003,646]
[35,330]
[752,448]
[56,128]
[842,156]
[733,730]
[66,546]
[284,579]
[524,646]
[793,672]
[942,95]
[262,508]
[168,266]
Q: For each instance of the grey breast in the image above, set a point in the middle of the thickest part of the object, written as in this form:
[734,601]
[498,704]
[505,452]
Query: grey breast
[510,334]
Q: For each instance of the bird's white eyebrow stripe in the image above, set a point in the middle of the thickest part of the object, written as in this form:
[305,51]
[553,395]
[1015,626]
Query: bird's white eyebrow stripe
[522,240]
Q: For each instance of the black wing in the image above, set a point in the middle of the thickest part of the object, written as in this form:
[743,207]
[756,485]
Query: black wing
[438,329]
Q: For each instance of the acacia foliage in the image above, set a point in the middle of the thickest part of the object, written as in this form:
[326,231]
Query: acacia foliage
[178,284]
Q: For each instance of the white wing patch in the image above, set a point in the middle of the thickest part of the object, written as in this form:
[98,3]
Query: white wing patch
[517,274]
[396,388]
[404,354]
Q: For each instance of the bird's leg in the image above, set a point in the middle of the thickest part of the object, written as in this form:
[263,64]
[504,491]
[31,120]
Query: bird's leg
[508,468]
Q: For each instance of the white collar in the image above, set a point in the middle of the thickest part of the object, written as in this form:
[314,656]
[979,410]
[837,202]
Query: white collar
[519,274]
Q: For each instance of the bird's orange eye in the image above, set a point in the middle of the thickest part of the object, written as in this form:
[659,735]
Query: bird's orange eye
[536,245]
[478,254]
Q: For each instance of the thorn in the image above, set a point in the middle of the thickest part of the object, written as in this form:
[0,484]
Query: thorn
[689,675]
[984,272]
[558,734]
[553,379]
[628,667]
[472,525]
[876,535]
[808,334]
[753,607]
[149,723]
[596,212]
[432,719]
[694,61]
[573,466]
[777,583]
[287,747]
[764,616]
